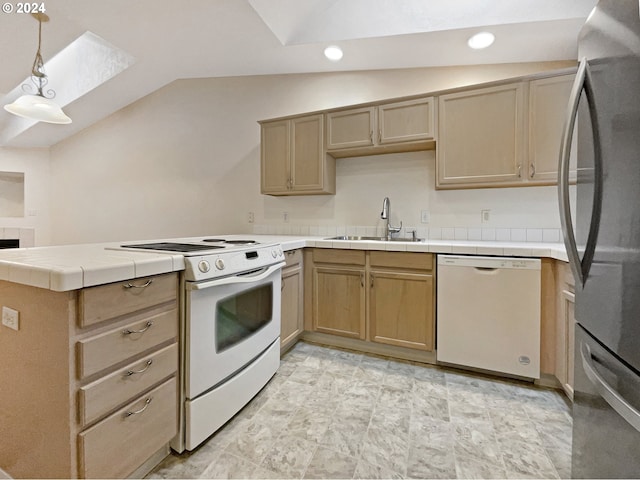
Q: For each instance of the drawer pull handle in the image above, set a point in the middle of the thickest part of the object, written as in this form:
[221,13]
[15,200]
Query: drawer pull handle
[133,372]
[147,327]
[144,285]
[146,404]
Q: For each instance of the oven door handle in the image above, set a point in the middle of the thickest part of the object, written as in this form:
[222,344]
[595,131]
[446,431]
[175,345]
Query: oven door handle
[236,279]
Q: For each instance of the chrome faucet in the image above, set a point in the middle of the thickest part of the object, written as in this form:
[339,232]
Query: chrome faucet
[386,215]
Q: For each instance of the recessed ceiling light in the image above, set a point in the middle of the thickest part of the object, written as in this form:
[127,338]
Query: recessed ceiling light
[481,40]
[333,53]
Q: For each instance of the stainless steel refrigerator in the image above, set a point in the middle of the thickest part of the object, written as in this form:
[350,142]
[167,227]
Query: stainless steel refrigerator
[604,246]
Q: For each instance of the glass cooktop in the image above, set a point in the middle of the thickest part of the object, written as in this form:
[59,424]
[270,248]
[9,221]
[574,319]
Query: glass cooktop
[172,247]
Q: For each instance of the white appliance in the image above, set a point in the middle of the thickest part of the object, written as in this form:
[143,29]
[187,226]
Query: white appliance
[230,328]
[489,313]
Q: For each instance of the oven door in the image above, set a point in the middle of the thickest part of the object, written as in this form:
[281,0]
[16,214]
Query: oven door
[229,322]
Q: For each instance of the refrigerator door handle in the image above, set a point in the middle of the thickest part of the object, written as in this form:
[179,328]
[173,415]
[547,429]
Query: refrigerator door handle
[607,392]
[580,267]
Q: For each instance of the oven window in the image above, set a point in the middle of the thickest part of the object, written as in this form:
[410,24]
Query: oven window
[239,316]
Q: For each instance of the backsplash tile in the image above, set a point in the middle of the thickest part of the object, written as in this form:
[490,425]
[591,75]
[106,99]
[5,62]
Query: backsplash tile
[474,234]
[26,236]
[448,233]
[532,235]
[550,235]
[489,234]
[503,234]
[460,233]
[518,234]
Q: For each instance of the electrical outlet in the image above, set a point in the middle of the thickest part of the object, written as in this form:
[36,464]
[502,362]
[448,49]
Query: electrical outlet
[285,217]
[424,216]
[485,216]
[11,318]
[251,217]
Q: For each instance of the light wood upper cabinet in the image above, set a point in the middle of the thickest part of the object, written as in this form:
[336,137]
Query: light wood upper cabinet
[503,136]
[293,159]
[275,157]
[351,128]
[480,137]
[391,127]
[408,121]
[548,99]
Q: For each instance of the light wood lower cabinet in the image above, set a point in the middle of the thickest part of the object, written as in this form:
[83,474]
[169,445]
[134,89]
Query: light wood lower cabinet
[117,446]
[558,323]
[401,309]
[78,364]
[381,297]
[565,328]
[339,301]
[291,317]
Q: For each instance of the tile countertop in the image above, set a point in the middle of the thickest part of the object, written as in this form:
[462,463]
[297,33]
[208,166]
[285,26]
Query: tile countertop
[70,267]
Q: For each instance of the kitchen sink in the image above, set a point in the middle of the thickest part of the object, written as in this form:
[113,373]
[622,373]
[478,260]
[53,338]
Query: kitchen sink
[376,239]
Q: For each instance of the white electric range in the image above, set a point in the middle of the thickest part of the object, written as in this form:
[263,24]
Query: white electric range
[229,327]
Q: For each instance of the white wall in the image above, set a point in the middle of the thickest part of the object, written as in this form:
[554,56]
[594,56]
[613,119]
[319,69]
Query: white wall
[34,163]
[184,161]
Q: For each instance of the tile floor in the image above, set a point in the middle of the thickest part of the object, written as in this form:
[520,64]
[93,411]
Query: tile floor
[331,413]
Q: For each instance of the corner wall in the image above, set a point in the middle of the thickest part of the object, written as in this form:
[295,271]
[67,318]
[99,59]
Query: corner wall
[184,161]
[34,227]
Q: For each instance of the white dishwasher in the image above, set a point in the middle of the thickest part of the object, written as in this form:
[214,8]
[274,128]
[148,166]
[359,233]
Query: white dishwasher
[488,313]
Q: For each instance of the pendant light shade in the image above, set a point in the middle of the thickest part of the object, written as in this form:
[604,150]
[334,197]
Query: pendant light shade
[36,106]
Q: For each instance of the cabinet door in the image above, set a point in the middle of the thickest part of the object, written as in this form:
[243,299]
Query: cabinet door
[480,137]
[401,309]
[350,128]
[274,157]
[569,302]
[548,99]
[406,121]
[291,313]
[339,301]
[307,153]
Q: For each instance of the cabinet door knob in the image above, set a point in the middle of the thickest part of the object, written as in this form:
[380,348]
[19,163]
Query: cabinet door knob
[519,171]
[533,169]
[362,280]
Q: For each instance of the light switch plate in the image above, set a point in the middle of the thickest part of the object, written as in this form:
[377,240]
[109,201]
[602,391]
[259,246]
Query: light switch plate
[11,318]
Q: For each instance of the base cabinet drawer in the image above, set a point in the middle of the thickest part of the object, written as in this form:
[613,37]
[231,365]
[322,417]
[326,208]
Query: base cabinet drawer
[117,345]
[102,396]
[104,302]
[117,446]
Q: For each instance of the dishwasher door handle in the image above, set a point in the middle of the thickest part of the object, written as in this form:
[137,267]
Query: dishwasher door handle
[486,269]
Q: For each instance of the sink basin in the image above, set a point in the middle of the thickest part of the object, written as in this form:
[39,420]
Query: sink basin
[378,239]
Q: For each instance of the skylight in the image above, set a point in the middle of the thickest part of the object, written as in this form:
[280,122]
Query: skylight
[84,64]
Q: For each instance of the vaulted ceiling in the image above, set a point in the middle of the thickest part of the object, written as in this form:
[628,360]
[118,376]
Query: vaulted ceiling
[210,38]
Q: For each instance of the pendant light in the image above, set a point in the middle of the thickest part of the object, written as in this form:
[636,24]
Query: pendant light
[38,106]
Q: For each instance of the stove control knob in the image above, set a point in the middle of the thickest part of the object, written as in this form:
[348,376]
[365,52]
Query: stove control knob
[274,253]
[204,266]
[220,264]
[280,252]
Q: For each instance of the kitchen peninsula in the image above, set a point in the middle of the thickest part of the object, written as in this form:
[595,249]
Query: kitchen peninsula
[65,374]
